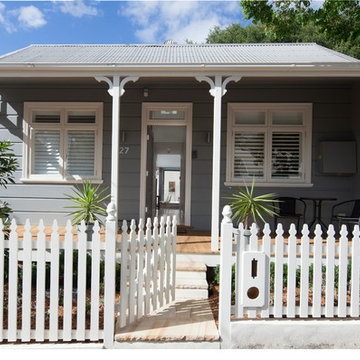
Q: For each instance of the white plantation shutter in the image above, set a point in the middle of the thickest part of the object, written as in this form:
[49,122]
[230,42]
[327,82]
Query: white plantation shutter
[249,152]
[80,153]
[286,155]
[46,152]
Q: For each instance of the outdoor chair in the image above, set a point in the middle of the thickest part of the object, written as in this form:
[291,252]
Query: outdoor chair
[290,208]
[346,212]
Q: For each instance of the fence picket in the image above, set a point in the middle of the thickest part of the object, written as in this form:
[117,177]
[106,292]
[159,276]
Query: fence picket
[355,273]
[173,259]
[278,286]
[291,278]
[2,256]
[240,246]
[132,269]
[162,256]
[54,284]
[40,283]
[343,262]
[317,278]
[168,264]
[155,254]
[26,283]
[68,282]
[330,272]
[81,282]
[266,249]
[13,282]
[95,276]
[123,280]
[304,274]
[148,266]
[140,289]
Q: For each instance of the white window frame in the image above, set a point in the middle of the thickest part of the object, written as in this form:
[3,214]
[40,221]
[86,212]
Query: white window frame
[305,129]
[64,108]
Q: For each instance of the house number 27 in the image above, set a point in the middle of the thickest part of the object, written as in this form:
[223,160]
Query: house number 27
[124,150]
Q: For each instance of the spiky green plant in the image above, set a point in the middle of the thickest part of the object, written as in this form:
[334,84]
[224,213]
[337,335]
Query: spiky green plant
[89,202]
[244,204]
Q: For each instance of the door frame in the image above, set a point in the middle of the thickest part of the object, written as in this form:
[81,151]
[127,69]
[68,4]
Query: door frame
[187,122]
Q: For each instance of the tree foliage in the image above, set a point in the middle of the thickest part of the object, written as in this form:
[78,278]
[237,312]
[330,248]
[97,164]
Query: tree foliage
[8,163]
[335,25]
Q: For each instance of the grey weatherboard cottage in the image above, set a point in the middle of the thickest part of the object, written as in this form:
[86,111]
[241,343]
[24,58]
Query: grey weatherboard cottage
[141,120]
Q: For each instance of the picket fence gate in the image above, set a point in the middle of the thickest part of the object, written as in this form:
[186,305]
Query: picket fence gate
[147,279]
[317,283]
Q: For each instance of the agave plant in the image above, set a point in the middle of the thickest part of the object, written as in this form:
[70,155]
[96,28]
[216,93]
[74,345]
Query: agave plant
[244,204]
[89,203]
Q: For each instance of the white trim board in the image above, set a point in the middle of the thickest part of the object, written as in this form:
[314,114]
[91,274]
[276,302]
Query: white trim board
[145,122]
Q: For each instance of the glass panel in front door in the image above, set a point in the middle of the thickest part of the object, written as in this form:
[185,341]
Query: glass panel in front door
[165,180]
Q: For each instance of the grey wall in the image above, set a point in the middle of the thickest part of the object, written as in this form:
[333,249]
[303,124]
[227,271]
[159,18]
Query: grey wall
[336,110]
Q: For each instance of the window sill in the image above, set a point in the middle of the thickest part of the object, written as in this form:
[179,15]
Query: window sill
[275,185]
[52,181]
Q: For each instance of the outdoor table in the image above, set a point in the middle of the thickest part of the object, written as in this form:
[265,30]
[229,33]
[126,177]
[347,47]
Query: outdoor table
[317,201]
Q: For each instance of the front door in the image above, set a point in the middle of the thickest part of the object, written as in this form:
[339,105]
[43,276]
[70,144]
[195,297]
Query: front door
[166,161]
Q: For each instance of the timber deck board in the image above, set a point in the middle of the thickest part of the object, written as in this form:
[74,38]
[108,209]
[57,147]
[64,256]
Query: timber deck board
[182,320]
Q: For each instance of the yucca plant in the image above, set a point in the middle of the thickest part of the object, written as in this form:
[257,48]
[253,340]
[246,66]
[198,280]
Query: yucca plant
[244,204]
[89,203]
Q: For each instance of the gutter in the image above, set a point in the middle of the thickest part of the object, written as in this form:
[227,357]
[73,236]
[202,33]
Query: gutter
[86,70]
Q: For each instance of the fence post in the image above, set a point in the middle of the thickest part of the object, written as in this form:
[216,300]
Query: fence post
[109,290]
[225,277]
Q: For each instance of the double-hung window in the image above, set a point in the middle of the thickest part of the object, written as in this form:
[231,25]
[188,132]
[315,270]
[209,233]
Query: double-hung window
[270,143]
[62,142]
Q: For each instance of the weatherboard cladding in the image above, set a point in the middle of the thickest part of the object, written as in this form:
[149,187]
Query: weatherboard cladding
[177,54]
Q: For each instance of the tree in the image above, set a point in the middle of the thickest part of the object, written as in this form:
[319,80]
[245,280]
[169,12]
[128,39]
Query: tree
[331,26]
[8,163]
[339,20]
[235,33]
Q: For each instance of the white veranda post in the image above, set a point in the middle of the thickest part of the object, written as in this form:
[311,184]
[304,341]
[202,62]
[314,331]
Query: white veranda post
[116,90]
[217,90]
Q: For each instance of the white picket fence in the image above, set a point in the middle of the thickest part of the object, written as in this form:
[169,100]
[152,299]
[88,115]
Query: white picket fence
[148,268]
[316,284]
[147,280]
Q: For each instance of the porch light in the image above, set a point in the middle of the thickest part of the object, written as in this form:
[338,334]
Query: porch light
[146,92]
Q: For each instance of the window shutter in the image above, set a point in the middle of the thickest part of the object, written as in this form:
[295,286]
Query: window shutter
[46,152]
[80,153]
[286,155]
[249,153]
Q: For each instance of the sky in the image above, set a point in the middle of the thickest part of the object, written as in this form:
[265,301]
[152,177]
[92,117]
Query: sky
[118,22]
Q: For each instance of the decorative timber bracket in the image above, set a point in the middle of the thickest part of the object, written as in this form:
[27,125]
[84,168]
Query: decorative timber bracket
[218,83]
[217,90]
[116,85]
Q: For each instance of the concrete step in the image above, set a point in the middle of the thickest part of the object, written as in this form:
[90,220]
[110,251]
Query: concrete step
[191,287]
[194,294]
[190,275]
[191,266]
[191,283]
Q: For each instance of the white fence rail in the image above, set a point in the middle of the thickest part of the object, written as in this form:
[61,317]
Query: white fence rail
[288,277]
[53,287]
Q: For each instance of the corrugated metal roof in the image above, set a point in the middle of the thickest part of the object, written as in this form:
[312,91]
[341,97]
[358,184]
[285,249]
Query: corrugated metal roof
[302,53]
